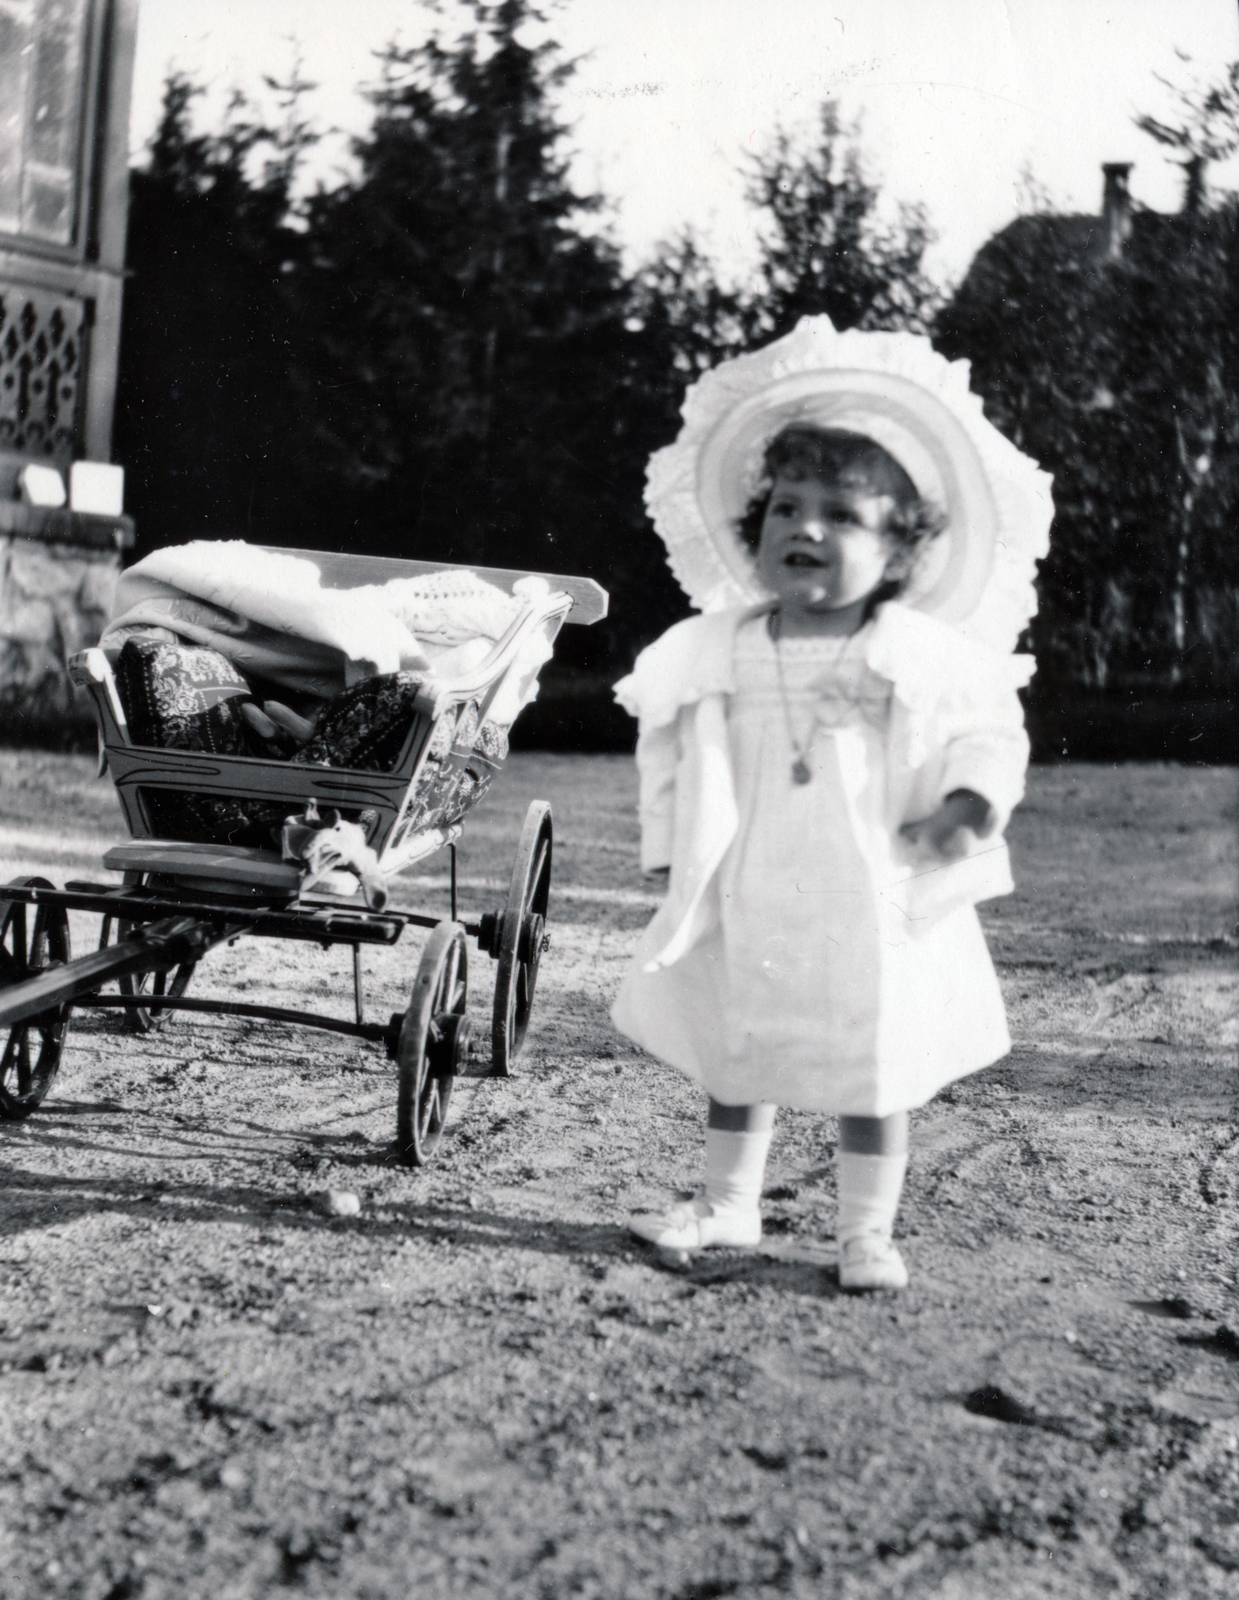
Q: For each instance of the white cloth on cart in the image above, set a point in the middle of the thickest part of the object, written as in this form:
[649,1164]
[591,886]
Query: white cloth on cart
[270,615]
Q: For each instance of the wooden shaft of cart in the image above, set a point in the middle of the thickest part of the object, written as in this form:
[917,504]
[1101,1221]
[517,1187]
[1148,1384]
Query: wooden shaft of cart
[158,947]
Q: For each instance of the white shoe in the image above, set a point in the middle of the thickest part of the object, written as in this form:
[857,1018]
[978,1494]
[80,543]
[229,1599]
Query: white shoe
[697,1225]
[871,1262]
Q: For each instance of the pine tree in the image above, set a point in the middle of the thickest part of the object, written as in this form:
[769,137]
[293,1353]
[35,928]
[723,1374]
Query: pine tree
[826,248]
[470,335]
[202,420]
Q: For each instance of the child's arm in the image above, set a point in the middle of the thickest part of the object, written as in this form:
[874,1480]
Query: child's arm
[691,661]
[983,757]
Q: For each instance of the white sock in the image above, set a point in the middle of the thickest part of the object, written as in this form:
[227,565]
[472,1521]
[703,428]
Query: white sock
[735,1167]
[869,1190]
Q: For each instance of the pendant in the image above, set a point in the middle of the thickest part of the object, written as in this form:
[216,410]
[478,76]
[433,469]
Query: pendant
[801,770]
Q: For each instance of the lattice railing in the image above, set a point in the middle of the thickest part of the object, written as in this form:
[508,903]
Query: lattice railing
[41,371]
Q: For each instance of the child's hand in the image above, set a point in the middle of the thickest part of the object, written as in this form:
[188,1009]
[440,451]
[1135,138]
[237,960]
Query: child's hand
[946,830]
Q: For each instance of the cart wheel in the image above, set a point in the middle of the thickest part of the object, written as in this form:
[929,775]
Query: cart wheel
[33,1049]
[434,1043]
[150,1019]
[521,938]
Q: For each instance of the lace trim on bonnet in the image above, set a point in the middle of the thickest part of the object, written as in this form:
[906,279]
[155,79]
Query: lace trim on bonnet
[897,389]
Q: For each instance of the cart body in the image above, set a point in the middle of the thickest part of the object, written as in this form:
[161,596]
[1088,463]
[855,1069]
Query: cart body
[441,773]
[178,899]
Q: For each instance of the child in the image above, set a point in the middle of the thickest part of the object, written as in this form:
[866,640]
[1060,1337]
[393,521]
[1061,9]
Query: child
[826,770]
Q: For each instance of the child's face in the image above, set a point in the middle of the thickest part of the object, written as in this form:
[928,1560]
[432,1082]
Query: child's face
[824,544]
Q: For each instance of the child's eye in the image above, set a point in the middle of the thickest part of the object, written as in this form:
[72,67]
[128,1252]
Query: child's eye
[782,508]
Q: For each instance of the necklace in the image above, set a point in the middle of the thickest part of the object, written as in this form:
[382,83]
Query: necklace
[802,772]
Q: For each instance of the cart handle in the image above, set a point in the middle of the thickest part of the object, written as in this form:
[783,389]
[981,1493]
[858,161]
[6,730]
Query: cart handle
[590,601]
[158,947]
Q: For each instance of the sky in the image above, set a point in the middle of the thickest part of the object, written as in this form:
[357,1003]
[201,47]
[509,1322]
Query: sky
[957,100]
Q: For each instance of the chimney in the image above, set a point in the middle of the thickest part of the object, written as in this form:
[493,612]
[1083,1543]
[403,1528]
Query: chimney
[1194,187]
[1116,207]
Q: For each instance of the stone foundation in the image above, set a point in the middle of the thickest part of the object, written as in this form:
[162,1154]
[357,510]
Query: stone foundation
[54,600]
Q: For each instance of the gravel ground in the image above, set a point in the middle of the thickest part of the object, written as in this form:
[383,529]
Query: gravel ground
[481,1386]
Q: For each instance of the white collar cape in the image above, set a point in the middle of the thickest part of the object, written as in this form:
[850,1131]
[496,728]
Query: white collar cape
[917,654]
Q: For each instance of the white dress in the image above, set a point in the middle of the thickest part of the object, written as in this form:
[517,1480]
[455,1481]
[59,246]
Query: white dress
[809,990]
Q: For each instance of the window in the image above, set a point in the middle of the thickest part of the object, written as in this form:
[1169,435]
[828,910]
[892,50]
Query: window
[42,86]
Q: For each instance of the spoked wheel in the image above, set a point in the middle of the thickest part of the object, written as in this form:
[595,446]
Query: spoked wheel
[434,1043]
[147,1019]
[32,939]
[520,938]
[151,1019]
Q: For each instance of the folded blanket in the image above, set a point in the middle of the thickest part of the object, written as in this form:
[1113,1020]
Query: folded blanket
[268,613]
[281,592]
[304,670]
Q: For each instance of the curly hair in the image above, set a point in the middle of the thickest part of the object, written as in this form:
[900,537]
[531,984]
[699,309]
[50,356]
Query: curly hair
[802,451]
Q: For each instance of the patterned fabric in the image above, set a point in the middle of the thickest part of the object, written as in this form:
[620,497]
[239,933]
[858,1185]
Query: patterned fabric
[201,819]
[461,762]
[184,697]
[189,698]
[492,742]
[366,727]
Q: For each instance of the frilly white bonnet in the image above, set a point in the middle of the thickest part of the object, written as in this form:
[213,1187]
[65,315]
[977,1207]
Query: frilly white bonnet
[894,388]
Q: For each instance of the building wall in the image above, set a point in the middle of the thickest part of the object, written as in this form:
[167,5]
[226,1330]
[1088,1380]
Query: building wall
[65,76]
[54,600]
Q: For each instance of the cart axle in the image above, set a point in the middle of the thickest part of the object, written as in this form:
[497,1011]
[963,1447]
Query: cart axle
[162,934]
[384,1033]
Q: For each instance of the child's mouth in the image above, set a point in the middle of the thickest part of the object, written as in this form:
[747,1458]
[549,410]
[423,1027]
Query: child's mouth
[802,558]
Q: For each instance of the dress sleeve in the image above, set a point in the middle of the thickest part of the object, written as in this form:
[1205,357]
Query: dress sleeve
[984,744]
[692,660]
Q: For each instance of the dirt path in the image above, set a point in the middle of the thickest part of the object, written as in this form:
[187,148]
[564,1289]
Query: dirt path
[481,1387]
